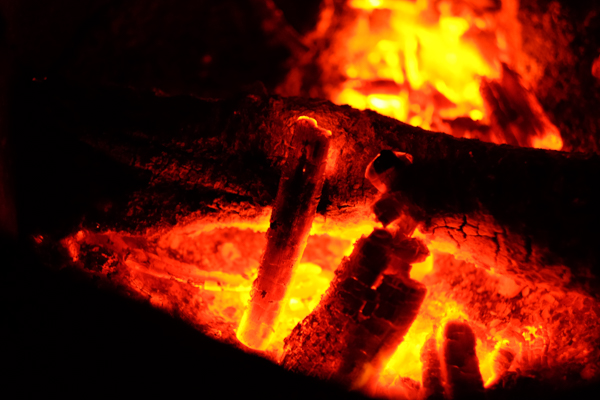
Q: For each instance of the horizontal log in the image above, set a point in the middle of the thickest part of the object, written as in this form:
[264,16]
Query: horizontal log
[522,210]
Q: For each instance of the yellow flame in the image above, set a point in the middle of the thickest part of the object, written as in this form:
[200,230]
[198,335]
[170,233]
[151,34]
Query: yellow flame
[412,50]
[550,141]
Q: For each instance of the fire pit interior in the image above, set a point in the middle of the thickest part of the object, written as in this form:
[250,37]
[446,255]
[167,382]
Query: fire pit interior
[391,199]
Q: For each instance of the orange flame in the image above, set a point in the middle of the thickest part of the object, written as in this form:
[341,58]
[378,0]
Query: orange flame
[423,62]
[413,62]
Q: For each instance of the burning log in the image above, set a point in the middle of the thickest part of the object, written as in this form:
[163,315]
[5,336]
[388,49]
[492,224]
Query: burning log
[463,378]
[293,213]
[359,323]
[520,210]
[433,388]
[309,348]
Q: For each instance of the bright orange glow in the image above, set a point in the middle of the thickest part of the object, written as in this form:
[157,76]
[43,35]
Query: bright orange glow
[432,318]
[428,63]
[314,122]
[420,270]
[414,63]
[203,272]
[551,141]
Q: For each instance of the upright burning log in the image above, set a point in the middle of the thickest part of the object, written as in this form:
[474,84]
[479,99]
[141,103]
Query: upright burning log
[294,210]
[463,377]
[359,323]
[433,387]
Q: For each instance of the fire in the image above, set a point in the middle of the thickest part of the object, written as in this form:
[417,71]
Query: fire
[421,62]
[412,62]
[203,272]
[424,62]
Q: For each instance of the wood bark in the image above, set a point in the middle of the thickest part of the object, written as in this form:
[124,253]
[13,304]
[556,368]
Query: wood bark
[293,214]
[527,211]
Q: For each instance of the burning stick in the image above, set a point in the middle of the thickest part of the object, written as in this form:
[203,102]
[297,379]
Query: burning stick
[462,367]
[293,213]
[358,324]
[433,388]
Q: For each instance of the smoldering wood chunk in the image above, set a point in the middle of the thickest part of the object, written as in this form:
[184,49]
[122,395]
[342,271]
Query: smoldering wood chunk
[506,226]
[356,327]
[399,301]
[407,251]
[317,345]
[293,213]
[463,377]
[433,386]
[383,172]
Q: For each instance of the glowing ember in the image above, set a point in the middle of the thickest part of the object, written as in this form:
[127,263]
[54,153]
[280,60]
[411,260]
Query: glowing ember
[204,276]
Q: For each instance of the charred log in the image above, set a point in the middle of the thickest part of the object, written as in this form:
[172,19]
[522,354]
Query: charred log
[515,209]
[293,213]
[461,366]
[311,348]
[358,324]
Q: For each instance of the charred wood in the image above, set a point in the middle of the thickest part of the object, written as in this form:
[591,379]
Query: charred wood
[516,209]
[359,322]
[293,213]
[318,344]
[433,384]
[461,366]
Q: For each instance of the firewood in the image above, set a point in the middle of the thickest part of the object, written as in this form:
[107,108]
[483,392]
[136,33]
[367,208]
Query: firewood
[293,213]
[463,378]
[519,210]
[433,388]
[316,346]
[358,324]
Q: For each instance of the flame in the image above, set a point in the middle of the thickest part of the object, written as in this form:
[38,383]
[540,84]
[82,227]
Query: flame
[414,62]
[550,141]
[423,62]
